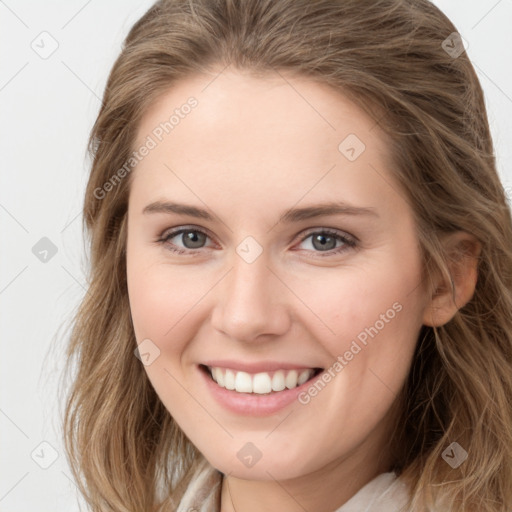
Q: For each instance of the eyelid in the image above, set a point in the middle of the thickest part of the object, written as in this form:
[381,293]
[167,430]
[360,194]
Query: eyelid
[172,232]
[182,227]
[177,229]
[350,241]
[332,231]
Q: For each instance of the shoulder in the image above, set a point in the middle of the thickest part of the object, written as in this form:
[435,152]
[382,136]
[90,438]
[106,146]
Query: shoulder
[385,493]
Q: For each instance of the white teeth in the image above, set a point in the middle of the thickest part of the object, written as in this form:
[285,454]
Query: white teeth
[278,381]
[243,382]
[291,379]
[260,383]
[303,377]
[220,376]
[229,379]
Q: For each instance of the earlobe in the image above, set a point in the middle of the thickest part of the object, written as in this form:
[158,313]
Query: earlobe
[462,251]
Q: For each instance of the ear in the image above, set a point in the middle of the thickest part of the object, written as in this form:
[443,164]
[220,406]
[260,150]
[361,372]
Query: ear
[462,251]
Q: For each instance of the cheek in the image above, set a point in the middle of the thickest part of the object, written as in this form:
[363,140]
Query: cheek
[375,317]
[156,302]
[350,301]
[166,303]
[368,320]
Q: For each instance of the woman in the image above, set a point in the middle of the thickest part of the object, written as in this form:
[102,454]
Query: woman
[334,331]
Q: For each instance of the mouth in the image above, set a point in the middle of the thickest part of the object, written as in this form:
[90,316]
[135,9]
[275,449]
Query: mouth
[262,383]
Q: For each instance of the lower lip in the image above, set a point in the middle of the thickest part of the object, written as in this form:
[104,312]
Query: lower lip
[252,404]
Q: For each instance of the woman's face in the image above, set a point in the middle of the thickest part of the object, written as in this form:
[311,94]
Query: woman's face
[298,251]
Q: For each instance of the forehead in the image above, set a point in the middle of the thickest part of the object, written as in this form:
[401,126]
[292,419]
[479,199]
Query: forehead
[279,134]
[274,103]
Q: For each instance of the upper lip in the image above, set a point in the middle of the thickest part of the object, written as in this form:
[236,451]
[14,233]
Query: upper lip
[256,367]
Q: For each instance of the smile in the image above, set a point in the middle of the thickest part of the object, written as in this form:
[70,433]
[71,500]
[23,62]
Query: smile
[260,383]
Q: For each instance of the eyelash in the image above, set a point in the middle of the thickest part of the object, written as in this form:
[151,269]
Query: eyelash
[349,242]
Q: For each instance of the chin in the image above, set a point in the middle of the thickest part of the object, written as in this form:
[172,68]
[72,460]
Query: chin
[268,468]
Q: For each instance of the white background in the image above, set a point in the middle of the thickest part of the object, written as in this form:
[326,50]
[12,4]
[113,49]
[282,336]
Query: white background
[47,108]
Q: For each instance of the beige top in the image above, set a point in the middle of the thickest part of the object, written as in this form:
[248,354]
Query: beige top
[385,493]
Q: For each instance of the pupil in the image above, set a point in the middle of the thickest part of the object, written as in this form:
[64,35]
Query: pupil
[194,238]
[322,240]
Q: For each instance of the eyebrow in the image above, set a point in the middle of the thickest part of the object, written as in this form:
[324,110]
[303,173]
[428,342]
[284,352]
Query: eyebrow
[289,216]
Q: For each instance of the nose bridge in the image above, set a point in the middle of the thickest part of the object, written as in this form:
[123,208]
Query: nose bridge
[249,301]
[250,281]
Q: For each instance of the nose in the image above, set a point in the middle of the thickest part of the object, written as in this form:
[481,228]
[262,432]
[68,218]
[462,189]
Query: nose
[250,302]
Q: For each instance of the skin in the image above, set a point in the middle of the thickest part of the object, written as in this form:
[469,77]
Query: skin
[251,149]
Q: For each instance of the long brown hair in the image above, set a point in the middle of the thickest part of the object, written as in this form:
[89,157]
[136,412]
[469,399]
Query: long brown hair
[388,57]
